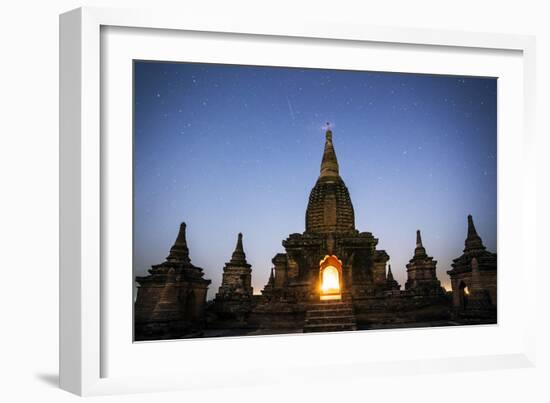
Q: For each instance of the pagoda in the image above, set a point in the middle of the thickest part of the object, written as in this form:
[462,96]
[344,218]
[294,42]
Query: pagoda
[330,277]
[234,296]
[474,274]
[421,275]
[330,249]
[391,283]
[171,299]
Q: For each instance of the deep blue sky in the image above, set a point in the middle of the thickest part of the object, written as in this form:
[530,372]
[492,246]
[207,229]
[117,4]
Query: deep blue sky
[231,149]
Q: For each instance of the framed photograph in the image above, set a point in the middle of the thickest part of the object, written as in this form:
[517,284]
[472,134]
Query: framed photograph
[321,196]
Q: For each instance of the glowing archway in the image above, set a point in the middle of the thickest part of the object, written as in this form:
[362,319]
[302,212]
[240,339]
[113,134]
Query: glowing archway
[463,294]
[330,278]
[330,281]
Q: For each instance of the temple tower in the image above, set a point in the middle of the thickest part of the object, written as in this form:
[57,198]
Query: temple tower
[278,278]
[234,296]
[474,275]
[391,283]
[170,300]
[421,275]
[329,231]
[268,288]
[329,208]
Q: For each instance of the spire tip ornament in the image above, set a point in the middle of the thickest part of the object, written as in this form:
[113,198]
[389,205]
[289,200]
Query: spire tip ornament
[180,251]
[239,256]
[473,240]
[418,239]
[329,164]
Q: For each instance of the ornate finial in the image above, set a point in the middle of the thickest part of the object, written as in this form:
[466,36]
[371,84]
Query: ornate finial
[180,251]
[329,164]
[471,227]
[418,238]
[239,256]
[181,239]
[473,240]
[328,133]
[390,274]
[419,251]
[390,281]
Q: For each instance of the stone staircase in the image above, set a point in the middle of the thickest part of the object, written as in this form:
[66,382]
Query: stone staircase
[330,316]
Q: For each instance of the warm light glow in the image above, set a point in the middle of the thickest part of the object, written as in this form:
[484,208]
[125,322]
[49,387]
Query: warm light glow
[466,291]
[330,282]
[331,297]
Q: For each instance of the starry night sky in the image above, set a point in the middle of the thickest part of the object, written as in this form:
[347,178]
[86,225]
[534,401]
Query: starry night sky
[231,149]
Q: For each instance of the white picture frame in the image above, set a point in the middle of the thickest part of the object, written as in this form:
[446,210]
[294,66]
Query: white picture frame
[86,344]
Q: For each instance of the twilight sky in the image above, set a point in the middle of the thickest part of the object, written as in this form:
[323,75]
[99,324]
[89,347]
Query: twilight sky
[231,149]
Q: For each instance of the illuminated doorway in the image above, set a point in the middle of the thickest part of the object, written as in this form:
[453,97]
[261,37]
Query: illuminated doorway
[463,294]
[330,278]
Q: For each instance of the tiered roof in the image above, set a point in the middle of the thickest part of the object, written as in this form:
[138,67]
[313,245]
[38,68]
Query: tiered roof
[473,248]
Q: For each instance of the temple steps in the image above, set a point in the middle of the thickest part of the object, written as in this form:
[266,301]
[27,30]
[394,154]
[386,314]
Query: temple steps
[337,320]
[330,316]
[329,313]
[331,305]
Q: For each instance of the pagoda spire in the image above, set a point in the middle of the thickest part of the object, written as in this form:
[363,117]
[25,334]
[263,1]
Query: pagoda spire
[271,280]
[180,251]
[419,250]
[390,274]
[239,256]
[473,240]
[329,164]
[391,284]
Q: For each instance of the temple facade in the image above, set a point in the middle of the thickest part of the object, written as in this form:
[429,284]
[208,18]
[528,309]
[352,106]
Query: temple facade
[330,277]
[171,299]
